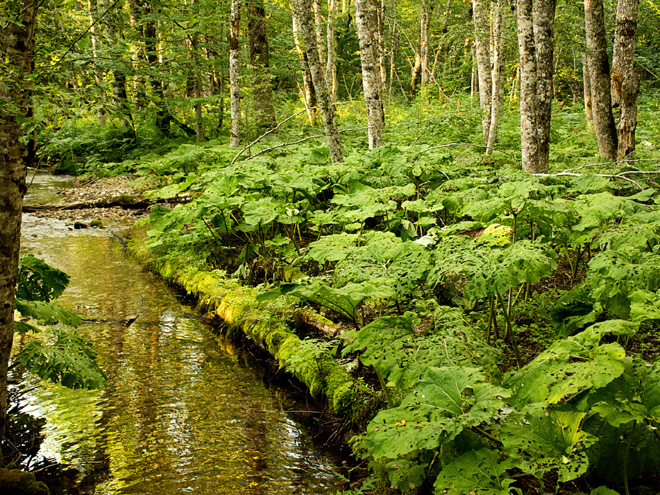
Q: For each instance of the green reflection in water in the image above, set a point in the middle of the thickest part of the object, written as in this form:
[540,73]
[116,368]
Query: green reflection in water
[180,414]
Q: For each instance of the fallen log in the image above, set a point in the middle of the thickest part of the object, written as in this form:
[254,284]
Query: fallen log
[124,201]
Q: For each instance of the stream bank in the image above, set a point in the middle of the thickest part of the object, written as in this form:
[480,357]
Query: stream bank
[183,410]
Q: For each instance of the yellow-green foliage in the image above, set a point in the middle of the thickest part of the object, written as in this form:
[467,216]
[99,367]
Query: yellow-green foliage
[310,361]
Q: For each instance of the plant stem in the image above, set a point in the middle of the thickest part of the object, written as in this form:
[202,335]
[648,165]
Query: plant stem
[509,334]
[484,433]
[625,459]
[388,398]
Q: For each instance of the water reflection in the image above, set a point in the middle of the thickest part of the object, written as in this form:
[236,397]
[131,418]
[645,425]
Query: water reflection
[179,414]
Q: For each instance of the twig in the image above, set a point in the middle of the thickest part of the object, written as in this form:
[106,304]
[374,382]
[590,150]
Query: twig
[621,175]
[300,141]
[464,144]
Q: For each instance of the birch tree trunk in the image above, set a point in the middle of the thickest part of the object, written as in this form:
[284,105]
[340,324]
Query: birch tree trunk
[331,69]
[535,43]
[394,41]
[625,79]
[318,27]
[365,18]
[380,37]
[259,59]
[586,76]
[480,10]
[308,92]
[599,67]
[303,13]
[235,132]
[424,26]
[497,93]
[17,52]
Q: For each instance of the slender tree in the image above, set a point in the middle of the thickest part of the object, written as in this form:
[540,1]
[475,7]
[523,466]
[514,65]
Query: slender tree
[480,9]
[599,75]
[365,17]
[331,69]
[17,32]
[307,91]
[497,74]
[259,59]
[536,21]
[625,79]
[235,133]
[302,11]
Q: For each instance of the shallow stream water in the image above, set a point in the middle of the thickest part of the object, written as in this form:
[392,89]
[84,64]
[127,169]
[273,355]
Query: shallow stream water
[182,412]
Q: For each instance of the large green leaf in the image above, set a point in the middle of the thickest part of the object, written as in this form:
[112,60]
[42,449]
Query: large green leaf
[570,366]
[38,281]
[481,472]
[48,313]
[71,361]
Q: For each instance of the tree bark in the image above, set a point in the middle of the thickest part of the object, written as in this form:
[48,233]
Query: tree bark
[318,28]
[535,43]
[599,67]
[308,92]
[259,59]
[365,18]
[586,76]
[480,9]
[625,79]
[424,39]
[17,52]
[303,13]
[497,93]
[331,69]
[394,41]
[235,133]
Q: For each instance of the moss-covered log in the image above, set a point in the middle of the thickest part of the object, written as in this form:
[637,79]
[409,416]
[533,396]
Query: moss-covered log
[264,324]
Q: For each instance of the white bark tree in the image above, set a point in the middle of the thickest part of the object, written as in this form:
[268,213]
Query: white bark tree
[302,10]
[536,21]
[366,20]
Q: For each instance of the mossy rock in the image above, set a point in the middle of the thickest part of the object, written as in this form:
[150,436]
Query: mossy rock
[17,482]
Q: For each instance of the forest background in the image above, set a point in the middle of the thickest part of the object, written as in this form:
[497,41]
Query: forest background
[495,253]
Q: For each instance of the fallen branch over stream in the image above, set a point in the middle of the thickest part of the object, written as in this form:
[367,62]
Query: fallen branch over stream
[123,201]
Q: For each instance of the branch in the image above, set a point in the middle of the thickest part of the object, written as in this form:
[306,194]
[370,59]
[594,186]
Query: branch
[270,131]
[300,141]
[464,144]
[622,175]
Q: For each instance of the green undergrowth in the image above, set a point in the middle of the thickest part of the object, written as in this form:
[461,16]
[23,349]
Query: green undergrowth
[506,322]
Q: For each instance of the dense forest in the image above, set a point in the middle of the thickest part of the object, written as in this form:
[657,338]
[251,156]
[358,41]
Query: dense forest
[439,216]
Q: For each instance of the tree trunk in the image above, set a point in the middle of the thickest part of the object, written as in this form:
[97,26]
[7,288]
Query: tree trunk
[625,79]
[480,9]
[380,37]
[17,52]
[138,57]
[235,133]
[259,59]
[587,90]
[394,41]
[308,92]
[424,39]
[599,67]
[119,95]
[497,93]
[535,43]
[331,69]
[303,13]
[98,70]
[318,27]
[365,18]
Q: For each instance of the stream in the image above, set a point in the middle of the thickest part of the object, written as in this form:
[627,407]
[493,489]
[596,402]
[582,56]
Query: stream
[182,412]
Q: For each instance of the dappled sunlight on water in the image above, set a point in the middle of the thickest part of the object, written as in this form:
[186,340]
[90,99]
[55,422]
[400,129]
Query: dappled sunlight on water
[179,414]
